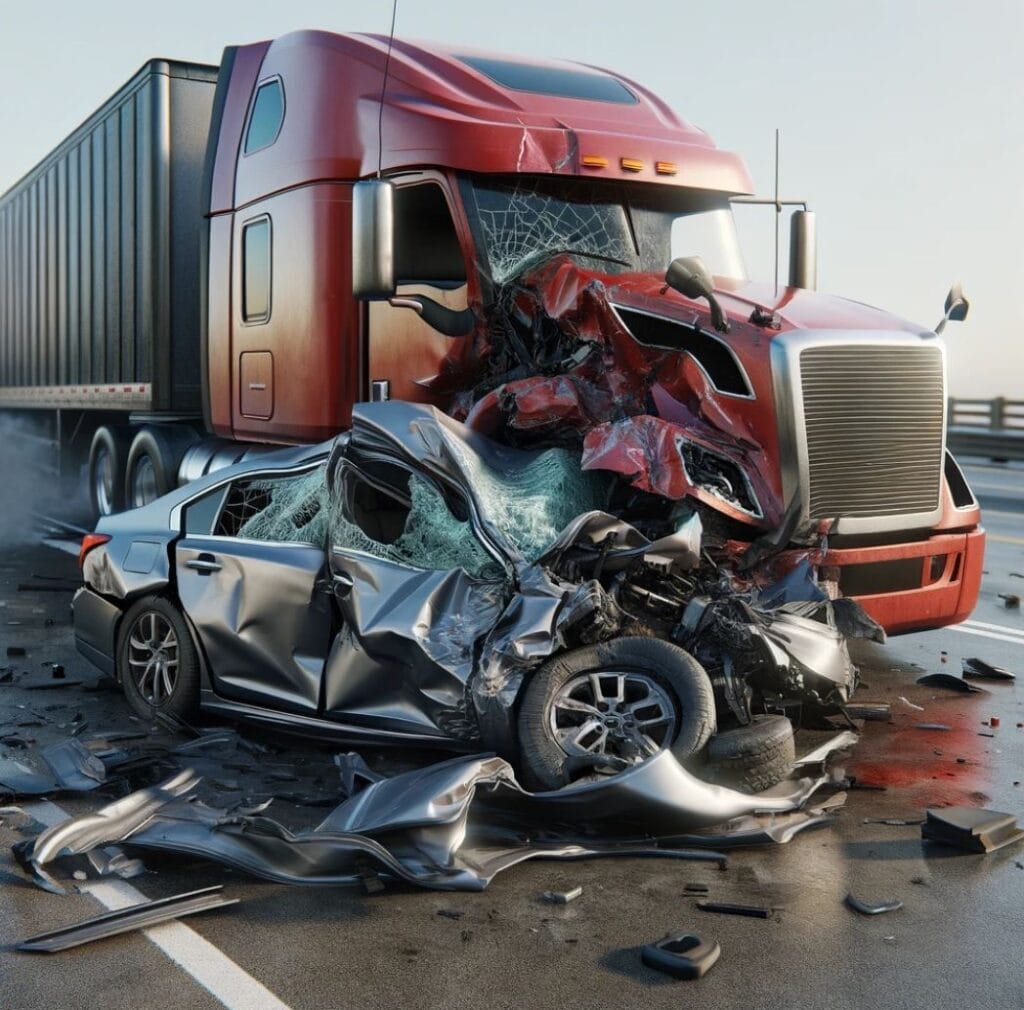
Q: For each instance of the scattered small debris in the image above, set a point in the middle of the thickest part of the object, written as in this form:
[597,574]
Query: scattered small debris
[684,955]
[872,908]
[971,828]
[943,656]
[975,667]
[693,888]
[991,736]
[1010,600]
[931,725]
[725,908]
[948,680]
[910,704]
[450,913]
[994,722]
[875,787]
[562,897]
[870,711]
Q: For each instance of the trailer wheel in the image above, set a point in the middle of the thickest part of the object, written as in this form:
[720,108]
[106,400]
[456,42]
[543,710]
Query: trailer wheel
[107,457]
[153,461]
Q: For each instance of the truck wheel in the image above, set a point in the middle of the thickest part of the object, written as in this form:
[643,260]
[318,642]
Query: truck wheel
[153,461]
[626,699]
[107,458]
[157,663]
[755,757]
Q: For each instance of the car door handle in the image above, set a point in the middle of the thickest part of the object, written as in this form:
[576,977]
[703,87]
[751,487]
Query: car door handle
[205,563]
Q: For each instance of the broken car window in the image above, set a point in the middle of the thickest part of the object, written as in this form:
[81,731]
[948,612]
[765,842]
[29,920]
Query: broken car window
[423,533]
[289,509]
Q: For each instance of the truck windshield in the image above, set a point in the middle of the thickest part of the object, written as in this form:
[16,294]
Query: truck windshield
[521,222]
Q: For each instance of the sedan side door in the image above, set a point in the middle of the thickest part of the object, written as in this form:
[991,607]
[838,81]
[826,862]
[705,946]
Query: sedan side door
[252,579]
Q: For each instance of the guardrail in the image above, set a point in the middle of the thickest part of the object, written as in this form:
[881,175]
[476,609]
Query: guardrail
[992,428]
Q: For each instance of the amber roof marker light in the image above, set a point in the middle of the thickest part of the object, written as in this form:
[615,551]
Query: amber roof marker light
[594,161]
[631,164]
[666,167]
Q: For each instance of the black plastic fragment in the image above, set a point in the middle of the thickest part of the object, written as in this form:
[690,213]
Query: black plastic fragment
[951,682]
[684,955]
[725,908]
[873,908]
[971,828]
[975,667]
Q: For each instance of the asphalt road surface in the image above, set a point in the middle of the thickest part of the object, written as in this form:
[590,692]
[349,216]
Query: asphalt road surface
[955,943]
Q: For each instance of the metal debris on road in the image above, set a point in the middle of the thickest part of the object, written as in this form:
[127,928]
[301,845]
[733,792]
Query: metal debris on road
[562,897]
[948,680]
[126,920]
[727,908]
[978,668]
[872,908]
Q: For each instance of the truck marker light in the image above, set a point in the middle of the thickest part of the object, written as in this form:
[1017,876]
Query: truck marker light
[594,161]
[89,541]
[631,164]
[665,167]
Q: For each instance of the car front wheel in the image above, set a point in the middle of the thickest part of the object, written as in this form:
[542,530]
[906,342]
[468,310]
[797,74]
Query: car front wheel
[604,706]
[157,662]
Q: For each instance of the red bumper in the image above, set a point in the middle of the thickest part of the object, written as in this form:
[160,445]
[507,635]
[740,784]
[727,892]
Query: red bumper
[914,586]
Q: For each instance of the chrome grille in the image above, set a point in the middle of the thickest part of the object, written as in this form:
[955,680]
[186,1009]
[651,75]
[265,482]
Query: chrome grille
[873,422]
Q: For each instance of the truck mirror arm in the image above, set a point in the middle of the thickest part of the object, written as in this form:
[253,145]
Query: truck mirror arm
[450,322]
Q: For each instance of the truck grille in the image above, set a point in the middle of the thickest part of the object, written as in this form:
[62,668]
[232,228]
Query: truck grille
[873,420]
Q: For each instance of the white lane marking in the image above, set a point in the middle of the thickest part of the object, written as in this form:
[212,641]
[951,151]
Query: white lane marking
[996,627]
[986,634]
[207,964]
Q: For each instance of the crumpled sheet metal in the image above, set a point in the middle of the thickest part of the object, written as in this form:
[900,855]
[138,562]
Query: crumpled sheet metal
[450,826]
[68,767]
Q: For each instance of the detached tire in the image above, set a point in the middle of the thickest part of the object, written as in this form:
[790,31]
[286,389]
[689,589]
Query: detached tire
[157,662]
[755,757]
[627,698]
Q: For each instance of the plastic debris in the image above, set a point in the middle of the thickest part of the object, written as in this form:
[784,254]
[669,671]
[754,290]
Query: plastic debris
[971,828]
[562,897]
[948,680]
[684,955]
[978,668]
[872,908]
[910,704]
[727,908]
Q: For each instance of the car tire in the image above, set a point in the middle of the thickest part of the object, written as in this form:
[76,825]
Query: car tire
[153,460]
[154,630]
[108,457]
[665,671]
[753,758]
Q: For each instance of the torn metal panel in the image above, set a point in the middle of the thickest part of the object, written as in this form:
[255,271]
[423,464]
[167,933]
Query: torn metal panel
[126,920]
[450,826]
[66,766]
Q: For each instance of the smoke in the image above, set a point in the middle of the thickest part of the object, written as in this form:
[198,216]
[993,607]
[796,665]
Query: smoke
[31,484]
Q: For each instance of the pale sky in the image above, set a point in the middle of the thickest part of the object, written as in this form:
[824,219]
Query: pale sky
[903,122]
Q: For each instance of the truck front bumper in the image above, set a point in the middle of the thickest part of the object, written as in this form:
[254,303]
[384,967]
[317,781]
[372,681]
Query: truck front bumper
[913,586]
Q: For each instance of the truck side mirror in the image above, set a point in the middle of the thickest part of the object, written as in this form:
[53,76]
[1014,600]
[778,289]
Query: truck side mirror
[803,250]
[955,309]
[373,239]
[690,277]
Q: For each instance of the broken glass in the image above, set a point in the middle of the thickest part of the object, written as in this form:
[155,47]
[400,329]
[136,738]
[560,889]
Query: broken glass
[291,510]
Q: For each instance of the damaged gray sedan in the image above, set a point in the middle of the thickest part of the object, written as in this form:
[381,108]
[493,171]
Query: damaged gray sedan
[414,582]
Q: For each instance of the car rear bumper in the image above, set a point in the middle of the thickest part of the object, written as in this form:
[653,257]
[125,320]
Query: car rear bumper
[914,586]
[95,621]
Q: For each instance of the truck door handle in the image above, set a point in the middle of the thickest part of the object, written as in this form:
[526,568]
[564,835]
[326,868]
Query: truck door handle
[205,564]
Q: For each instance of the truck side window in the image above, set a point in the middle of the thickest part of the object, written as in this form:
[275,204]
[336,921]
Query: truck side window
[266,117]
[256,271]
[427,247]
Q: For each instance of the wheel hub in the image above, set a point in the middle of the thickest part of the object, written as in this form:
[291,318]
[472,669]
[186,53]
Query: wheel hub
[153,657]
[627,715]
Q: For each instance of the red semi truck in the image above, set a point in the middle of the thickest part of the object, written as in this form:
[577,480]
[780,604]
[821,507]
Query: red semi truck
[228,256]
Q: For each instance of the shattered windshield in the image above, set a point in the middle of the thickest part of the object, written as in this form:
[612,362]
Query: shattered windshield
[522,221]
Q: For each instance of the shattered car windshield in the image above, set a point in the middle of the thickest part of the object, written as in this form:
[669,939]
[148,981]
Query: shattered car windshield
[526,220]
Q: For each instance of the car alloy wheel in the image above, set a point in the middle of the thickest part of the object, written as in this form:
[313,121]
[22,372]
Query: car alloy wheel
[153,657]
[623,714]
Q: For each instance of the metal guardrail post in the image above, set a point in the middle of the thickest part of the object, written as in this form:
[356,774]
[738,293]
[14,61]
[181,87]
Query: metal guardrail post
[997,414]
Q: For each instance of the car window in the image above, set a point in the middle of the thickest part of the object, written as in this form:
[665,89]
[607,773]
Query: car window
[410,522]
[293,509]
[201,515]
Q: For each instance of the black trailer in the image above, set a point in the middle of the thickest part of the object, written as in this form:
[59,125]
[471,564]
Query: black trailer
[100,273]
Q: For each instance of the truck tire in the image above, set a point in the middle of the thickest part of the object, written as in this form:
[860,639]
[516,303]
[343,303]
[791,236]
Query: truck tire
[153,461]
[627,699]
[755,757]
[108,457]
[156,660]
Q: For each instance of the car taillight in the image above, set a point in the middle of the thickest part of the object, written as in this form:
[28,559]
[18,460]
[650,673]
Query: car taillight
[89,541]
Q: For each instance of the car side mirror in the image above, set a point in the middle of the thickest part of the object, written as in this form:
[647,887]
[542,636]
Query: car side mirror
[373,239]
[955,309]
[690,277]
